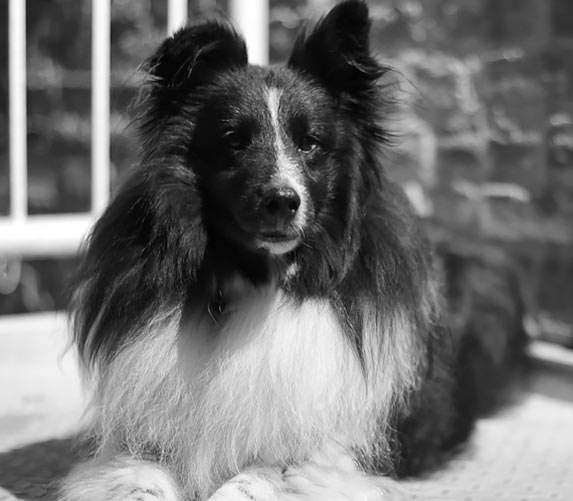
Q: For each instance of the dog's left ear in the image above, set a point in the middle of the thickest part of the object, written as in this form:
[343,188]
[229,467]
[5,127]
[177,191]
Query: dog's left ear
[337,50]
[194,54]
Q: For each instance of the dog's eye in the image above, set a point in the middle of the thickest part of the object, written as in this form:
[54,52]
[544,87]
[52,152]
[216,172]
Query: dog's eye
[307,144]
[236,139]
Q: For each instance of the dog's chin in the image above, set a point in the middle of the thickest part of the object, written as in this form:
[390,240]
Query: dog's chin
[277,245]
[253,237]
[260,242]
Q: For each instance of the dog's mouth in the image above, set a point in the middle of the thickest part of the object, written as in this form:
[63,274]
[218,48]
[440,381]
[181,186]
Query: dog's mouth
[277,242]
[277,236]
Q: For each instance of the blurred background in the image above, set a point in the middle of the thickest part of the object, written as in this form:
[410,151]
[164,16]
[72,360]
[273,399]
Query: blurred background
[485,139]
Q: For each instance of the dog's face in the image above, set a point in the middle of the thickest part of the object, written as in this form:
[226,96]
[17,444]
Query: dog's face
[263,148]
[274,150]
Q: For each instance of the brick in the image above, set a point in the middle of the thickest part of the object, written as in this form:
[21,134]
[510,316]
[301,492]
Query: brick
[562,18]
[458,163]
[443,91]
[518,163]
[512,64]
[465,23]
[514,96]
[560,163]
[560,142]
[515,22]
[395,27]
[517,112]
[413,157]
[508,218]
[556,281]
[457,211]
[478,26]
[557,77]
[403,166]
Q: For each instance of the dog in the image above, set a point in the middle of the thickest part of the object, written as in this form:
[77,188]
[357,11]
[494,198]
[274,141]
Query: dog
[259,311]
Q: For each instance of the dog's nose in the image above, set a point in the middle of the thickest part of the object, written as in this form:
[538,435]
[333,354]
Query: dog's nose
[279,205]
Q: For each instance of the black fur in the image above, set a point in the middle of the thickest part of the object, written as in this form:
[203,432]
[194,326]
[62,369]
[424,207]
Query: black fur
[186,220]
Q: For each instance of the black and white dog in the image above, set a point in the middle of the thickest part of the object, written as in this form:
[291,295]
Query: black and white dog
[258,309]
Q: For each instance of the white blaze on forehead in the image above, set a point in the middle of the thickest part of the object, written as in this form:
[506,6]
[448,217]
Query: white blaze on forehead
[285,166]
[286,169]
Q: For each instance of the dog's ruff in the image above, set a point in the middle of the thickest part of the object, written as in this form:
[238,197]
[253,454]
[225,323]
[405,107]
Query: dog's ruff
[274,380]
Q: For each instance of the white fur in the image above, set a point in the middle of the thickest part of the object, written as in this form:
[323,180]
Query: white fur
[271,384]
[122,479]
[287,170]
[330,475]
[278,248]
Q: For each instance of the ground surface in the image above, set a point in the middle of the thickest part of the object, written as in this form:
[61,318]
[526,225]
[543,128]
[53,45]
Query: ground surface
[523,454]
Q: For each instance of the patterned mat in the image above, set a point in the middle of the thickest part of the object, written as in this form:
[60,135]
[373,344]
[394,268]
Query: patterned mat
[524,454]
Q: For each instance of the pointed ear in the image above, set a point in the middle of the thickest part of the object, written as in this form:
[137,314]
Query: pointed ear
[194,54]
[337,50]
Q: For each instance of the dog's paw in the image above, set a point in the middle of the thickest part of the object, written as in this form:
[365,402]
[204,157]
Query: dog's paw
[257,484]
[334,476]
[123,479]
[128,492]
[320,483]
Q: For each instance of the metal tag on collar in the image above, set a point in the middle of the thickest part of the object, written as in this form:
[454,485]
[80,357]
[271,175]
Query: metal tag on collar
[216,307]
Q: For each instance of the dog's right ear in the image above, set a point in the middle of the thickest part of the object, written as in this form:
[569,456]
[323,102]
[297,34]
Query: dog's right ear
[194,54]
[336,52]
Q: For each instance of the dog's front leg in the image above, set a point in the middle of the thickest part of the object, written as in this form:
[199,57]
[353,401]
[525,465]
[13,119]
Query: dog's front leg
[331,475]
[121,479]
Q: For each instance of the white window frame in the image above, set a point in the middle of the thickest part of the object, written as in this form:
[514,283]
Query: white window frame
[22,234]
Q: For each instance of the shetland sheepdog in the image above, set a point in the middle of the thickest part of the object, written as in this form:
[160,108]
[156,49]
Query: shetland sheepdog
[258,311]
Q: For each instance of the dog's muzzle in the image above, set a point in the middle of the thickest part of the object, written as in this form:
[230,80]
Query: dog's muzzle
[278,209]
[280,214]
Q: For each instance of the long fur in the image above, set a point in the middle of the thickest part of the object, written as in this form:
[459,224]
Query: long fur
[212,348]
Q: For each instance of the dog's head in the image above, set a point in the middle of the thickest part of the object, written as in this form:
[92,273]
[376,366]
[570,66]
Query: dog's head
[274,150]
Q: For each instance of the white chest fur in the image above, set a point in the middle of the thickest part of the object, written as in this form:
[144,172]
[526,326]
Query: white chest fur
[273,383]
[277,380]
